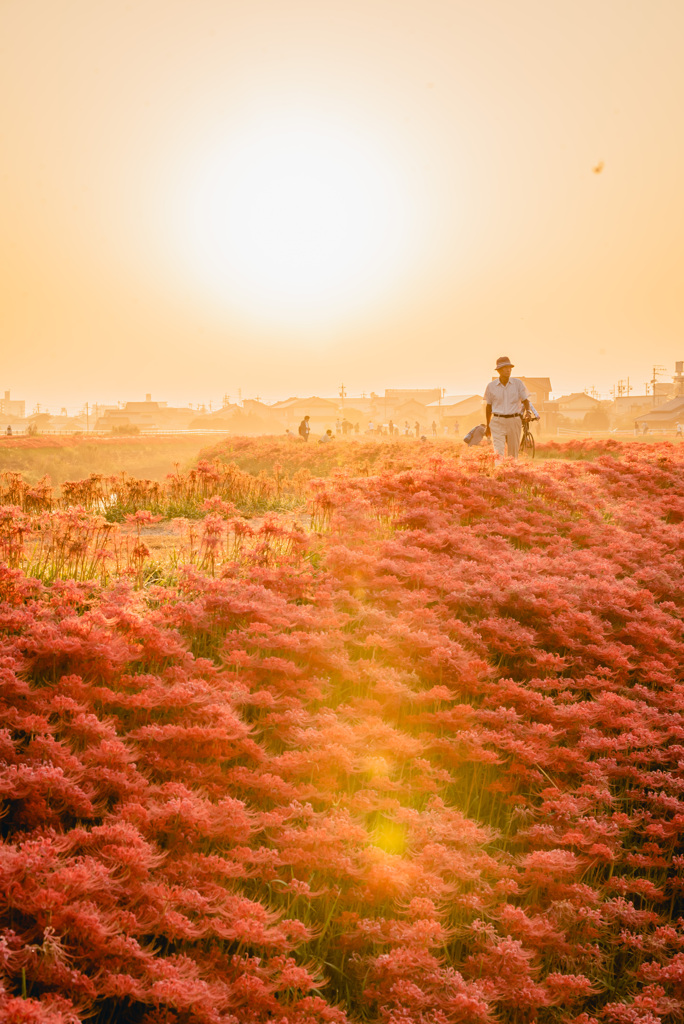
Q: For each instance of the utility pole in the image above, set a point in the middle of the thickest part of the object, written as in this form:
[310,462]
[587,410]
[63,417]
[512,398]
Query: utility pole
[342,393]
[657,371]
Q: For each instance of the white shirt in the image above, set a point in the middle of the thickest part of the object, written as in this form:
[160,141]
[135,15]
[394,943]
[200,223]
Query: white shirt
[505,399]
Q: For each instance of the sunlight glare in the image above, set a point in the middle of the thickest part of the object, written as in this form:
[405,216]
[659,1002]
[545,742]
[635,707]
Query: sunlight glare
[390,836]
[298,221]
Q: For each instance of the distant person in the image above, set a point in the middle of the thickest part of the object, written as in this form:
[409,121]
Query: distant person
[507,400]
[371,426]
[457,427]
[416,427]
[644,428]
[356,428]
[8,432]
[304,428]
[679,429]
[407,429]
[434,429]
[328,436]
[338,426]
[390,427]
[290,433]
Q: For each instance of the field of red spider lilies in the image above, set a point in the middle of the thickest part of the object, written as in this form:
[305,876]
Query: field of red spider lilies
[408,751]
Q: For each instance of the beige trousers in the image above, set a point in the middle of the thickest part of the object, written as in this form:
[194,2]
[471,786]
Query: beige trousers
[506,430]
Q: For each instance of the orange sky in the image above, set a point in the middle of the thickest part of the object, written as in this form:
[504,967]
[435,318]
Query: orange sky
[482,120]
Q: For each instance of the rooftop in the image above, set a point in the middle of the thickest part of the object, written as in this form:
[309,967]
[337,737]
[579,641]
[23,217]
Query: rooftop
[574,396]
[448,400]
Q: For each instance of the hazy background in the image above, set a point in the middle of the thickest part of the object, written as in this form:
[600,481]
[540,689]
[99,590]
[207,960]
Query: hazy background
[492,113]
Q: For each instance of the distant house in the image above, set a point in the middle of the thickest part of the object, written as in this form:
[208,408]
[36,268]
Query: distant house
[411,411]
[574,407]
[256,406]
[64,424]
[359,409]
[39,421]
[664,417]
[635,407]
[397,396]
[142,414]
[256,417]
[147,415]
[97,410]
[623,405]
[322,412]
[664,390]
[466,410]
[539,389]
[129,416]
[662,409]
[285,403]
[352,414]
[397,402]
[220,419]
[12,407]
[625,409]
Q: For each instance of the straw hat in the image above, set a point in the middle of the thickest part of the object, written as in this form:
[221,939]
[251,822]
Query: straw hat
[503,361]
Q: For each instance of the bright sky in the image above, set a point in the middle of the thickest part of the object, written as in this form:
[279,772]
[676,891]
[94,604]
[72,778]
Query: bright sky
[284,195]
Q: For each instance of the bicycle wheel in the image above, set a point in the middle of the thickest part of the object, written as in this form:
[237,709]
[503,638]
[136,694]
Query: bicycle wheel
[527,445]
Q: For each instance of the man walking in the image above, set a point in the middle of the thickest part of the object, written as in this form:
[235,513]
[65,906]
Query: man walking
[505,399]
[304,429]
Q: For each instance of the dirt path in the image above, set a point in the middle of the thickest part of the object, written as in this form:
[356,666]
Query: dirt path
[162,538]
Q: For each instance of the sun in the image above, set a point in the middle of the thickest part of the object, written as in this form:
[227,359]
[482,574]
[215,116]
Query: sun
[299,220]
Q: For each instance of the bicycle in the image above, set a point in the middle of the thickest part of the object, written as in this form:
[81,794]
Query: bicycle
[527,441]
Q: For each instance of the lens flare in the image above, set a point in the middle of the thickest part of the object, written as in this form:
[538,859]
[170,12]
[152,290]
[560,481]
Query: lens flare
[390,836]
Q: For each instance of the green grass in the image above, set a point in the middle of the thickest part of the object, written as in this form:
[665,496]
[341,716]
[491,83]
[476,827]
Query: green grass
[192,507]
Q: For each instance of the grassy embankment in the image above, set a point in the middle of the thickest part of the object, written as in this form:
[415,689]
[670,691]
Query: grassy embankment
[74,458]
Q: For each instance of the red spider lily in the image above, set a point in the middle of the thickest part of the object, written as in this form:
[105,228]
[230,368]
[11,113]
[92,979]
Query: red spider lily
[425,763]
